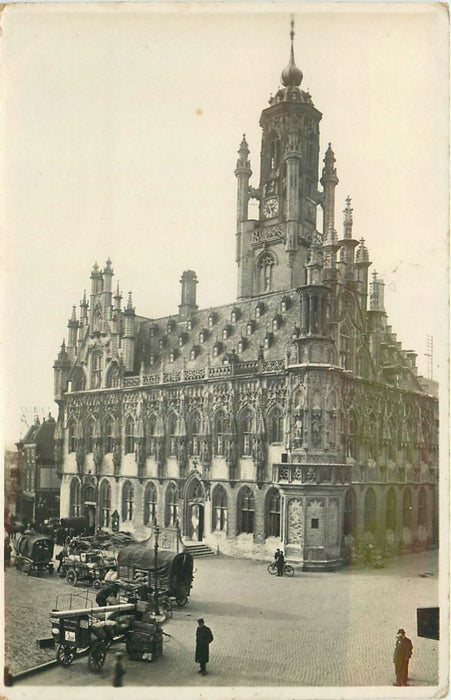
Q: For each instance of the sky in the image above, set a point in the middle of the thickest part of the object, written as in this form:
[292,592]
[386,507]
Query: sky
[120,127]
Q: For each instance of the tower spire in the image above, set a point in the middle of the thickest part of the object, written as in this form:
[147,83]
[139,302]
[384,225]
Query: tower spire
[291,75]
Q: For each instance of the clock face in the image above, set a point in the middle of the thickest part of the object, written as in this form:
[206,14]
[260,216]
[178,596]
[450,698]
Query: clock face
[270,208]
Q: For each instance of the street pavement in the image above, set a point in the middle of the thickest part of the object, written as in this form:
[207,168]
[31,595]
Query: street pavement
[312,630]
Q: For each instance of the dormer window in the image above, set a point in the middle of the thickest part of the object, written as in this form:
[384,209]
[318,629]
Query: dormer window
[259,310]
[234,316]
[241,345]
[181,339]
[249,328]
[189,324]
[152,330]
[202,336]
[217,349]
[172,355]
[169,326]
[211,320]
[193,353]
[152,360]
[285,304]
[276,323]
[161,343]
[225,333]
[268,340]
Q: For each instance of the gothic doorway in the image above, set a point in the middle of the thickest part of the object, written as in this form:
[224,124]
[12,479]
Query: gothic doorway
[194,510]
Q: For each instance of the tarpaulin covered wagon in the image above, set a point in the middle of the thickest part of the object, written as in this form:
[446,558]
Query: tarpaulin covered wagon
[174,572]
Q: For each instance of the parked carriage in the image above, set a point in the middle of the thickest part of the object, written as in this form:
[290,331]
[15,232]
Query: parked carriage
[88,567]
[34,553]
[174,573]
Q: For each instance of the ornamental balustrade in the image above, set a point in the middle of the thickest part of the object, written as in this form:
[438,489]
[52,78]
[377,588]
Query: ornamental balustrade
[311,474]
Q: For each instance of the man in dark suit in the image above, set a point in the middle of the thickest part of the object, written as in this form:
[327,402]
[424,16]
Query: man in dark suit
[203,638]
[401,657]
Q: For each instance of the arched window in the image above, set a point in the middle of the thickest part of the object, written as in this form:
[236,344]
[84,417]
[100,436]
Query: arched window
[422,507]
[194,427]
[220,509]
[109,432]
[407,508]
[246,508]
[265,266]
[172,428]
[96,370]
[390,520]
[105,504]
[275,425]
[273,514]
[369,519]
[345,346]
[72,430]
[349,514]
[75,501]
[150,504]
[220,429]
[127,501]
[274,152]
[172,507]
[90,435]
[245,427]
[129,435]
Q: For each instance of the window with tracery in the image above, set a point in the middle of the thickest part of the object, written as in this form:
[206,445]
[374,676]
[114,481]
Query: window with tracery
[220,509]
[369,518]
[96,367]
[266,265]
[220,429]
[129,435]
[150,504]
[75,498]
[422,507]
[407,508]
[127,501]
[245,425]
[172,507]
[105,503]
[109,431]
[273,514]
[246,508]
[90,436]
[72,433]
[275,425]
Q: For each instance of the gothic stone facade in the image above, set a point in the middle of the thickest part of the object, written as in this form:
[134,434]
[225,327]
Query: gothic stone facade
[292,416]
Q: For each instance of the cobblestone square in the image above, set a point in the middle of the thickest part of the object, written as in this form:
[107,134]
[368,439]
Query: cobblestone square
[314,630]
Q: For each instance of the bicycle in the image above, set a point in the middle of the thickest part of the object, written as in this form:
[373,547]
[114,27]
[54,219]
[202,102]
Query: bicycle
[287,569]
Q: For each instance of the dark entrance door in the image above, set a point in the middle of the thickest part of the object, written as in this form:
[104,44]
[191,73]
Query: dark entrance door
[90,513]
[201,523]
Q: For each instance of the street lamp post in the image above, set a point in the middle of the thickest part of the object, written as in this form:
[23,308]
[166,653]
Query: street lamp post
[157,532]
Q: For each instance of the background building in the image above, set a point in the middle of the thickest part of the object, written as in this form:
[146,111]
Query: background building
[292,415]
[38,483]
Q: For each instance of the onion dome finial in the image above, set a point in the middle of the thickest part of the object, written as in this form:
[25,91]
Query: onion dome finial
[291,75]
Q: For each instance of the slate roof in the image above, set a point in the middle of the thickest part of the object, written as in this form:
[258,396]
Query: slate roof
[148,341]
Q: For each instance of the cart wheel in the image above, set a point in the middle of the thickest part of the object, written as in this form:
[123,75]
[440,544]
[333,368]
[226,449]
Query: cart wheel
[71,577]
[288,570]
[61,573]
[181,601]
[272,569]
[65,655]
[97,656]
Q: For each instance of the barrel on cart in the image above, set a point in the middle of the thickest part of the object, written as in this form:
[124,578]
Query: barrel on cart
[174,572]
[34,554]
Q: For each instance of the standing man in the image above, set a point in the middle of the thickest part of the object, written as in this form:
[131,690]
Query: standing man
[203,638]
[403,652]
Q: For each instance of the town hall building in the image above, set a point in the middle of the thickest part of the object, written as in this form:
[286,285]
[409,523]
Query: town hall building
[291,417]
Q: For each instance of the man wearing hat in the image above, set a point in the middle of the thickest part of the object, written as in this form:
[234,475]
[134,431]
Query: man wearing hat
[403,652]
[203,638]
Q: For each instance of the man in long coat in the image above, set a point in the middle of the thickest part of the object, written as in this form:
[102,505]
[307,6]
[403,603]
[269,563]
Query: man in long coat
[203,638]
[403,652]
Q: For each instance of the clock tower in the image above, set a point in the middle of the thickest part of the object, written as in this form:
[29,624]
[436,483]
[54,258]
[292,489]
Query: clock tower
[272,251]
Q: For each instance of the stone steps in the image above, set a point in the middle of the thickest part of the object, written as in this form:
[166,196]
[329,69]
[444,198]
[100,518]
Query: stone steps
[199,550]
